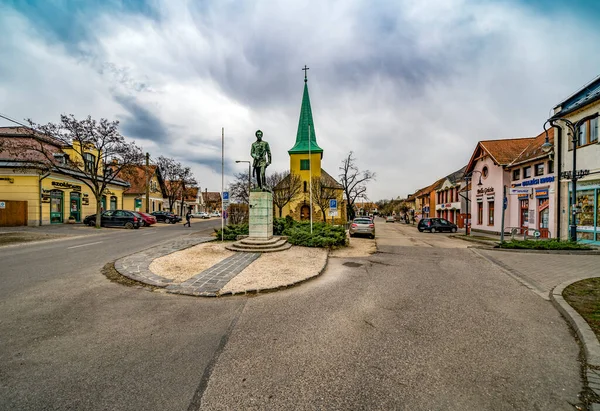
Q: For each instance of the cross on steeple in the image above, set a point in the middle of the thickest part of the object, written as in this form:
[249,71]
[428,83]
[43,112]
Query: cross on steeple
[304,69]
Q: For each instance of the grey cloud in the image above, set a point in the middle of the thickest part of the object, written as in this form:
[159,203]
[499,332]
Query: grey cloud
[141,122]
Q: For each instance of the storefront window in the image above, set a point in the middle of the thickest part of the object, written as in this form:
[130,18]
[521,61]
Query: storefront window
[75,206]
[56,207]
[524,213]
[113,203]
[585,204]
[479,213]
[490,213]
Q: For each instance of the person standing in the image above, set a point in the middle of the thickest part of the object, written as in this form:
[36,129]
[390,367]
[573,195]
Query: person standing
[188,218]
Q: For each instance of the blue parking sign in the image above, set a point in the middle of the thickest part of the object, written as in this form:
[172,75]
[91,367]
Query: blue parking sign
[226,195]
[333,204]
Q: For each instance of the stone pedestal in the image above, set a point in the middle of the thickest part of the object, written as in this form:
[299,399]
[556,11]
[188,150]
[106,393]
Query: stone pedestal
[261,215]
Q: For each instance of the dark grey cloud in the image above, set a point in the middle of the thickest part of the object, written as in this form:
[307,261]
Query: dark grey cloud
[140,122]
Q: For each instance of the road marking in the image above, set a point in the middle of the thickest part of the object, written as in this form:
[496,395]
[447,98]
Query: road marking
[84,245]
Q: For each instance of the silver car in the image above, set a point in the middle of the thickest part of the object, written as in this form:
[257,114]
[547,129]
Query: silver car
[362,226]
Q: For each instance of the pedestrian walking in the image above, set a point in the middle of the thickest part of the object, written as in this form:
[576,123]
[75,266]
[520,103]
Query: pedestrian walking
[188,218]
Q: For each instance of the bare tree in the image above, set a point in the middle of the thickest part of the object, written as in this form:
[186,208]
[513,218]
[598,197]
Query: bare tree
[286,188]
[322,191]
[176,178]
[93,152]
[238,190]
[354,182]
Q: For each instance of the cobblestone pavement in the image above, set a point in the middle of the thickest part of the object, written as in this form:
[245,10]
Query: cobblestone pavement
[137,266]
[543,272]
[210,281]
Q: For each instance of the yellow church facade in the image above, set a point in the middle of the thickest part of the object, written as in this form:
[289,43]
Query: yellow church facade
[305,162]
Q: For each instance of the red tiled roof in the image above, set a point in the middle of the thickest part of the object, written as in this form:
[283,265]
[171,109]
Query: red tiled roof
[191,194]
[136,176]
[502,152]
[534,149]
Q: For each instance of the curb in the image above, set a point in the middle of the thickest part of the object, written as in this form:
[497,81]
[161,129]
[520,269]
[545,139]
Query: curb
[581,327]
[591,346]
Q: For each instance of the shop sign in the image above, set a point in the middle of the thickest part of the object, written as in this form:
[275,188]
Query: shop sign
[86,199]
[543,180]
[519,190]
[541,193]
[2,204]
[46,196]
[62,184]
[578,174]
[487,190]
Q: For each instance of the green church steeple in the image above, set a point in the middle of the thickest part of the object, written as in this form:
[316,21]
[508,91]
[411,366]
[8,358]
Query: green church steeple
[306,120]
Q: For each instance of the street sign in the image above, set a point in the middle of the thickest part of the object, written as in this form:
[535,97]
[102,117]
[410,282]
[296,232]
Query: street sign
[333,213]
[426,209]
[333,204]
[519,190]
[505,202]
[224,215]
[225,195]
[2,204]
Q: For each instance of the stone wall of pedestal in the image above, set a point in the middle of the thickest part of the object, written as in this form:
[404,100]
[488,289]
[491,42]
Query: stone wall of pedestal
[261,215]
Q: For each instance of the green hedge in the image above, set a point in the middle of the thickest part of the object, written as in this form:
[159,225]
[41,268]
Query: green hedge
[298,233]
[544,245]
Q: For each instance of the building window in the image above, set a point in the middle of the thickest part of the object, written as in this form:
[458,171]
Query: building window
[550,167]
[304,164]
[490,213]
[527,172]
[594,130]
[539,169]
[582,135]
[305,187]
[517,174]
[90,161]
[484,172]
[479,213]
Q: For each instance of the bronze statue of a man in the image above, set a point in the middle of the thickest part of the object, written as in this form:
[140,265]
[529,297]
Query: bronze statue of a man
[261,153]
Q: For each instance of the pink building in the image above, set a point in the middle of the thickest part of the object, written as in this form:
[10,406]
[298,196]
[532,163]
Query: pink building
[489,169]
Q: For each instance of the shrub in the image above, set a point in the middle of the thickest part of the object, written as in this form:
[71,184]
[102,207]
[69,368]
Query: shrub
[544,245]
[323,235]
[231,231]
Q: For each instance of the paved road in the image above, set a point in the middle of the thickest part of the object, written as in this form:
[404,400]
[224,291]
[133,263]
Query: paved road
[425,325]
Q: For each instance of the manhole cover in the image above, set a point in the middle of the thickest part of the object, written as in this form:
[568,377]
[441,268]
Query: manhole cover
[352,264]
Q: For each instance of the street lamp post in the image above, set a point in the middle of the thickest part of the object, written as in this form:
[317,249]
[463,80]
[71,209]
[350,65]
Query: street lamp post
[574,175]
[249,178]
[468,178]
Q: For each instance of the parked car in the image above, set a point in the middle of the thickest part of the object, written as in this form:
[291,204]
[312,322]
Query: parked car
[200,214]
[147,219]
[215,214]
[166,217]
[436,224]
[362,226]
[390,219]
[115,218]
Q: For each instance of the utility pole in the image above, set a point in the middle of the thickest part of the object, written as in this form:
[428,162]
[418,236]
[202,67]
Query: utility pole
[147,182]
[504,205]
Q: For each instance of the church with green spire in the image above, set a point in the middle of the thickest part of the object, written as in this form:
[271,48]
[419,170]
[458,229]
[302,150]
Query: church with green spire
[305,163]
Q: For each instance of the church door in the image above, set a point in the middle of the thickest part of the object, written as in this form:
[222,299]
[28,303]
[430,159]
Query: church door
[304,212]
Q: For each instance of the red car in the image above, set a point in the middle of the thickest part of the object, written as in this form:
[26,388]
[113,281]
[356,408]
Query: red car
[147,219]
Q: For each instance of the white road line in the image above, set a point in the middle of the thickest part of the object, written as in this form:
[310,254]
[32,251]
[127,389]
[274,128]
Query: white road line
[84,245]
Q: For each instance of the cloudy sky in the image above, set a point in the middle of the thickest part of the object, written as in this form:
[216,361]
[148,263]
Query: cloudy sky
[409,85]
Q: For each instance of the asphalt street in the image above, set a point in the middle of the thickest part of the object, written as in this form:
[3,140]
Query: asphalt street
[425,324]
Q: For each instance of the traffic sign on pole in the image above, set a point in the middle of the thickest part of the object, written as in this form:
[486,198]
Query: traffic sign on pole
[333,204]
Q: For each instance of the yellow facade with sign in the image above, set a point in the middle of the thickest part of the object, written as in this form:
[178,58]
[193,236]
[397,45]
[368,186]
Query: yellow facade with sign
[55,198]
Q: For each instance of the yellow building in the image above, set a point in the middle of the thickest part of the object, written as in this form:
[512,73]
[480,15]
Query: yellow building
[305,161]
[29,195]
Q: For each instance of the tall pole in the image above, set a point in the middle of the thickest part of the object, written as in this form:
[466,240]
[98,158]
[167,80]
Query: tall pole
[147,182]
[310,180]
[504,203]
[468,208]
[222,179]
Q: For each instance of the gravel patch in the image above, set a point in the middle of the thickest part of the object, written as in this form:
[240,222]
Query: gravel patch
[273,270]
[182,265]
[358,247]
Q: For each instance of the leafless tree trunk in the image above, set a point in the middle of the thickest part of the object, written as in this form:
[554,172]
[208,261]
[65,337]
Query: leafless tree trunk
[176,177]
[286,188]
[354,182]
[322,192]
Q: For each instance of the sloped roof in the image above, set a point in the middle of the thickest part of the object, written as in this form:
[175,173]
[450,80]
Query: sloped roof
[136,176]
[191,194]
[331,182]
[502,152]
[534,149]
[582,97]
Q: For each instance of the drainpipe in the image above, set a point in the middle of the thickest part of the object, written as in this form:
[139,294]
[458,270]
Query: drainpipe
[40,192]
[557,167]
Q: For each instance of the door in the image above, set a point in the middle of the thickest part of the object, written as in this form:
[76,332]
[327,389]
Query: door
[113,203]
[75,206]
[524,219]
[56,207]
[305,212]
[103,203]
[108,218]
[544,222]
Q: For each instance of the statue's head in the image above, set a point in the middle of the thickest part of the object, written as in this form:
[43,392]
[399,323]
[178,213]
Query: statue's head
[258,135]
